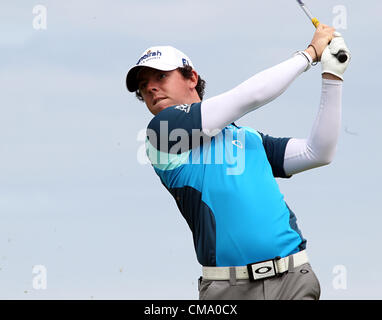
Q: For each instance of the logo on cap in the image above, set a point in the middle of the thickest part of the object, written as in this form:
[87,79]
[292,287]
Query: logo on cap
[185,62]
[149,54]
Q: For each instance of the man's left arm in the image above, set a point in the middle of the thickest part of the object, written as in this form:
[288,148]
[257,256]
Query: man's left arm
[319,148]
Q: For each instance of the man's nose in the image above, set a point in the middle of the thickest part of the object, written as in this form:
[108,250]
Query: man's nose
[152,86]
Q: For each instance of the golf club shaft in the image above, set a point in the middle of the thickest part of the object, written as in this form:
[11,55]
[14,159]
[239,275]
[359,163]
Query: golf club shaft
[307,12]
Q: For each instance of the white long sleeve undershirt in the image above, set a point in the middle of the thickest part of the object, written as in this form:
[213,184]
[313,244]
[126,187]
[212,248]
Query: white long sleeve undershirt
[221,110]
[300,154]
[319,148]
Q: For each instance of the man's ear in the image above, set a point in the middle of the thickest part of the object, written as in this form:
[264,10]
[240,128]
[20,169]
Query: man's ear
[194,79]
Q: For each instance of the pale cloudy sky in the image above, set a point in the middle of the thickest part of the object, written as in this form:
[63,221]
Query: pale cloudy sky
[74,198]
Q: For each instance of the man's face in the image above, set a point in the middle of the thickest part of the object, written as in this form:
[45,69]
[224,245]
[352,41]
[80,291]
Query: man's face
[163,89]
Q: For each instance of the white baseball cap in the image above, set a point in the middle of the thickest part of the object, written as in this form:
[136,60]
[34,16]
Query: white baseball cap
[165,58]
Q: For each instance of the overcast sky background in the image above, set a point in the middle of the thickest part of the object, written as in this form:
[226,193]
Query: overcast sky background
[75,199]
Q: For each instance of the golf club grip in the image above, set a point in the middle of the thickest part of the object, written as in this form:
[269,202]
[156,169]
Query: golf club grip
[341,56]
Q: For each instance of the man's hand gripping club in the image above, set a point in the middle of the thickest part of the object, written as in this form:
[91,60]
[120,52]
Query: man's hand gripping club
[324,47]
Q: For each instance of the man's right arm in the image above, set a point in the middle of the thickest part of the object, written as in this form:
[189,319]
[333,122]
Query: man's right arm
[221,110]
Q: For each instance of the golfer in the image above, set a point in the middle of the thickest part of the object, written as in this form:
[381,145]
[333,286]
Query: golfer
[222,176]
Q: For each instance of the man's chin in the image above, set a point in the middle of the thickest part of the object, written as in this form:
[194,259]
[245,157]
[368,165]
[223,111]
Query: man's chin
[163,104]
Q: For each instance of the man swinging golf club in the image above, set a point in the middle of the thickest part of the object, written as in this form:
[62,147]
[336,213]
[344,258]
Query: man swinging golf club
[245,235]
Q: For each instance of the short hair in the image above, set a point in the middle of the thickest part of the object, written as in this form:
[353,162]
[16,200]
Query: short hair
[186,72]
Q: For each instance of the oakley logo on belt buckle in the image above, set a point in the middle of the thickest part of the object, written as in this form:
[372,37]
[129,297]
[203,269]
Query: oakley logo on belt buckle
[261,270]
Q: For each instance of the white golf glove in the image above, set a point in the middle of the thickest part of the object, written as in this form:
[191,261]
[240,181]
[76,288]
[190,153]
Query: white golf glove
[329,61]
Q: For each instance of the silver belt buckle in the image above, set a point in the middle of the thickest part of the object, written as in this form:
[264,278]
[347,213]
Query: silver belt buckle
[262,270]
